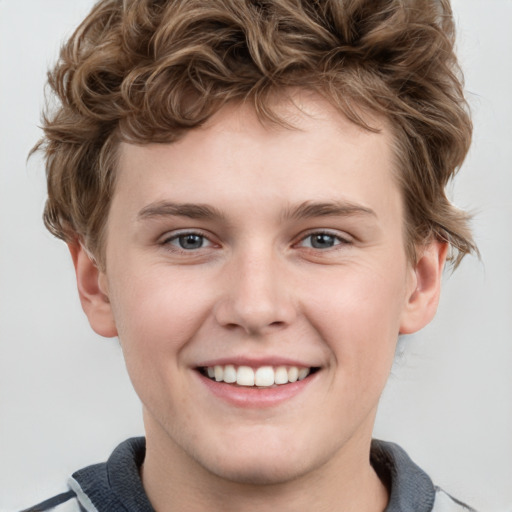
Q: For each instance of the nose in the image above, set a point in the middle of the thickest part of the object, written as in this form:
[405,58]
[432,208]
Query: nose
[256,297]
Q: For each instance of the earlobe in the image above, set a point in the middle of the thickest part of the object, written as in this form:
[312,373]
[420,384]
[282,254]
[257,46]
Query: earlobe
[423,299]
[93,292]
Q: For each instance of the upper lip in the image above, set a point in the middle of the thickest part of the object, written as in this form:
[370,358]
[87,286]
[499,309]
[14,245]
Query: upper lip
[256,362]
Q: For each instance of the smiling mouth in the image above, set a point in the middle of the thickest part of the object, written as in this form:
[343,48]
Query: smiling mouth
[261,377]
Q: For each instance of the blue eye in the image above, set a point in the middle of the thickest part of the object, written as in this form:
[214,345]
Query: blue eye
[322,241]
[188,241]
[191,241]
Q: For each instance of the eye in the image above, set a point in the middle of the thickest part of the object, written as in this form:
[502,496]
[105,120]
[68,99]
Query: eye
[322,240]
[188,241]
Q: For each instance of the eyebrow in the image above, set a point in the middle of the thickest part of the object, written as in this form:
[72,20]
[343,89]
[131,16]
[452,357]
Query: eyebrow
[190,210]
[309,209]
[305,210]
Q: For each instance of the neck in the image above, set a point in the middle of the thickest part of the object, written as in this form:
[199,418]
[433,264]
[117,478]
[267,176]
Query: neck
[174,481]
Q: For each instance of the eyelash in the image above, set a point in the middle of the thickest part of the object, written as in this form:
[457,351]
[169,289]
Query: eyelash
[339,239]
[176,238]
[168,242]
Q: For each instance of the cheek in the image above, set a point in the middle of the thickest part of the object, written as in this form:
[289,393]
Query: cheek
[156,317]
[358,317]
[156,314]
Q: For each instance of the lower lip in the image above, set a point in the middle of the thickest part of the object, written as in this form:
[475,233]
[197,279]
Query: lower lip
[253,397]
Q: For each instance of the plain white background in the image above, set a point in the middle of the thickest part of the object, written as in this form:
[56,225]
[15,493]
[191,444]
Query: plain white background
[65,399]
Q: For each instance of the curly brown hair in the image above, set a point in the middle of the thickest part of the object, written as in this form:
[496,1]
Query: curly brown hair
[150,70]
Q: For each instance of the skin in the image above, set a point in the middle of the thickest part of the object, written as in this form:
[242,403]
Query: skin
[258,288]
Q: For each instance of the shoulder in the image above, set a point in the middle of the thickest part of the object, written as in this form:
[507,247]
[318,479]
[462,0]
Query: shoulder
[111,486]
[410,487]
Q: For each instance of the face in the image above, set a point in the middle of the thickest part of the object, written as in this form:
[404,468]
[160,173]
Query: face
[246,253]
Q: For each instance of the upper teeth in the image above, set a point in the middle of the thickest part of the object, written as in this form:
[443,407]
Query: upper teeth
[262,376]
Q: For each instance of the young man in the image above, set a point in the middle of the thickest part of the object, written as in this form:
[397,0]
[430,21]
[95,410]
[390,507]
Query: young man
[253,197]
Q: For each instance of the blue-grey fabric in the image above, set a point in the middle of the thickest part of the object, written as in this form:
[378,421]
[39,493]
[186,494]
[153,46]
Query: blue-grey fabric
[410,487]
[115,486]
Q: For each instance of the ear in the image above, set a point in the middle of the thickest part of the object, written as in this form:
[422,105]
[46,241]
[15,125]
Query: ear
[93,291]
[425,289]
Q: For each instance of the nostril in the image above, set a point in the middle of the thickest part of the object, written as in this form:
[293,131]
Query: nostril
[255,301]
[254,329]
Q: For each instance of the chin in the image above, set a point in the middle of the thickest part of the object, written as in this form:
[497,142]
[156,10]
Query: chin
[260,464]
[258,472]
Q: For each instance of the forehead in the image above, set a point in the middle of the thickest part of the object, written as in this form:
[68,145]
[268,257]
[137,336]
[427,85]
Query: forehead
[238,159]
